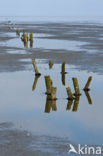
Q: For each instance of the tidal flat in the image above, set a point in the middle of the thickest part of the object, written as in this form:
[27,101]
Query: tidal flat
[30,124]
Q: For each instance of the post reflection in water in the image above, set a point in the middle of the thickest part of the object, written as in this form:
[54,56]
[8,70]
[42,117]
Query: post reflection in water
[50,104]
[31,44]
[76,104]
[69,104]
[88,97]
[35,82]
[63,78]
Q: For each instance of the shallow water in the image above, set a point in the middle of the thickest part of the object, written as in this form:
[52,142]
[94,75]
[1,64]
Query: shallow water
[25,107]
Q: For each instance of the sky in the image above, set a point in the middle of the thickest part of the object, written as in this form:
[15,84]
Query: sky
[51,7]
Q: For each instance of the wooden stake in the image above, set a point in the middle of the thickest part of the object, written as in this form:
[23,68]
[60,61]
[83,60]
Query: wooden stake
[86,88]
[35,68]
[76,87]
[17,32]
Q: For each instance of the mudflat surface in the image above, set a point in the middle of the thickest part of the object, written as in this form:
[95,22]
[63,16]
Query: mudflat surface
[79,44]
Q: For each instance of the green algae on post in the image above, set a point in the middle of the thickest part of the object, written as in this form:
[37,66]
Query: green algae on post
[86,88]
[76,86]
[69,93]
[35,68]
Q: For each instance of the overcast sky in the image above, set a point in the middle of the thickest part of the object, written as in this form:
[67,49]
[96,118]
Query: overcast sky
[51,7]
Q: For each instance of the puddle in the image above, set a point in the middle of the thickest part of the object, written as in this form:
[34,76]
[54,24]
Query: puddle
[24,103]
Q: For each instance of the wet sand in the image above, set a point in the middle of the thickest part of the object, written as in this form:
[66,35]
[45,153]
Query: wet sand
[89,57]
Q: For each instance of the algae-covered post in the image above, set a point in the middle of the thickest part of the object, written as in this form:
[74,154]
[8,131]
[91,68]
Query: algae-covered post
[35,68]
[76,86]
[86,88]
[69,104]
[69,93]
[63,78]
[88,97]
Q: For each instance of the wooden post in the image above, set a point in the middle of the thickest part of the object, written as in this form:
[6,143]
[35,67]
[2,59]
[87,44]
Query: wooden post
[31,37]
[76,86]
[35,68]
[35,82]
[86,88]
[17,32]
[69,93]
[88,97]
[48,84]
[63,68]
[53,105]
[76,103]
[50,64]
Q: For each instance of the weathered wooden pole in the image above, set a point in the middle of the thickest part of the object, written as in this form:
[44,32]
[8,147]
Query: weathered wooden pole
[69,93]
[86,88]
[53,105]
[35,68]
[76,86]
[50,64]
[76,103]
[35,82]
[53,93]
[88,97]
[17,32]
[48,84]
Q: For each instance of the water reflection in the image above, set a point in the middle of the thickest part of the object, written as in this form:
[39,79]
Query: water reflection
[50,104]
[76,104]
[88,97]
[63,78]
[35,82]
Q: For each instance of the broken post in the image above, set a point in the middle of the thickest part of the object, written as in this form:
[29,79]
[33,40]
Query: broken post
[48,84]
[76,87]
[63,68]
[69,93]
[86,88]
[35,68]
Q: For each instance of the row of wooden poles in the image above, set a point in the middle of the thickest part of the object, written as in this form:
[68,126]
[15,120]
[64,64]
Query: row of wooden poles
[25,37]
[51,90]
